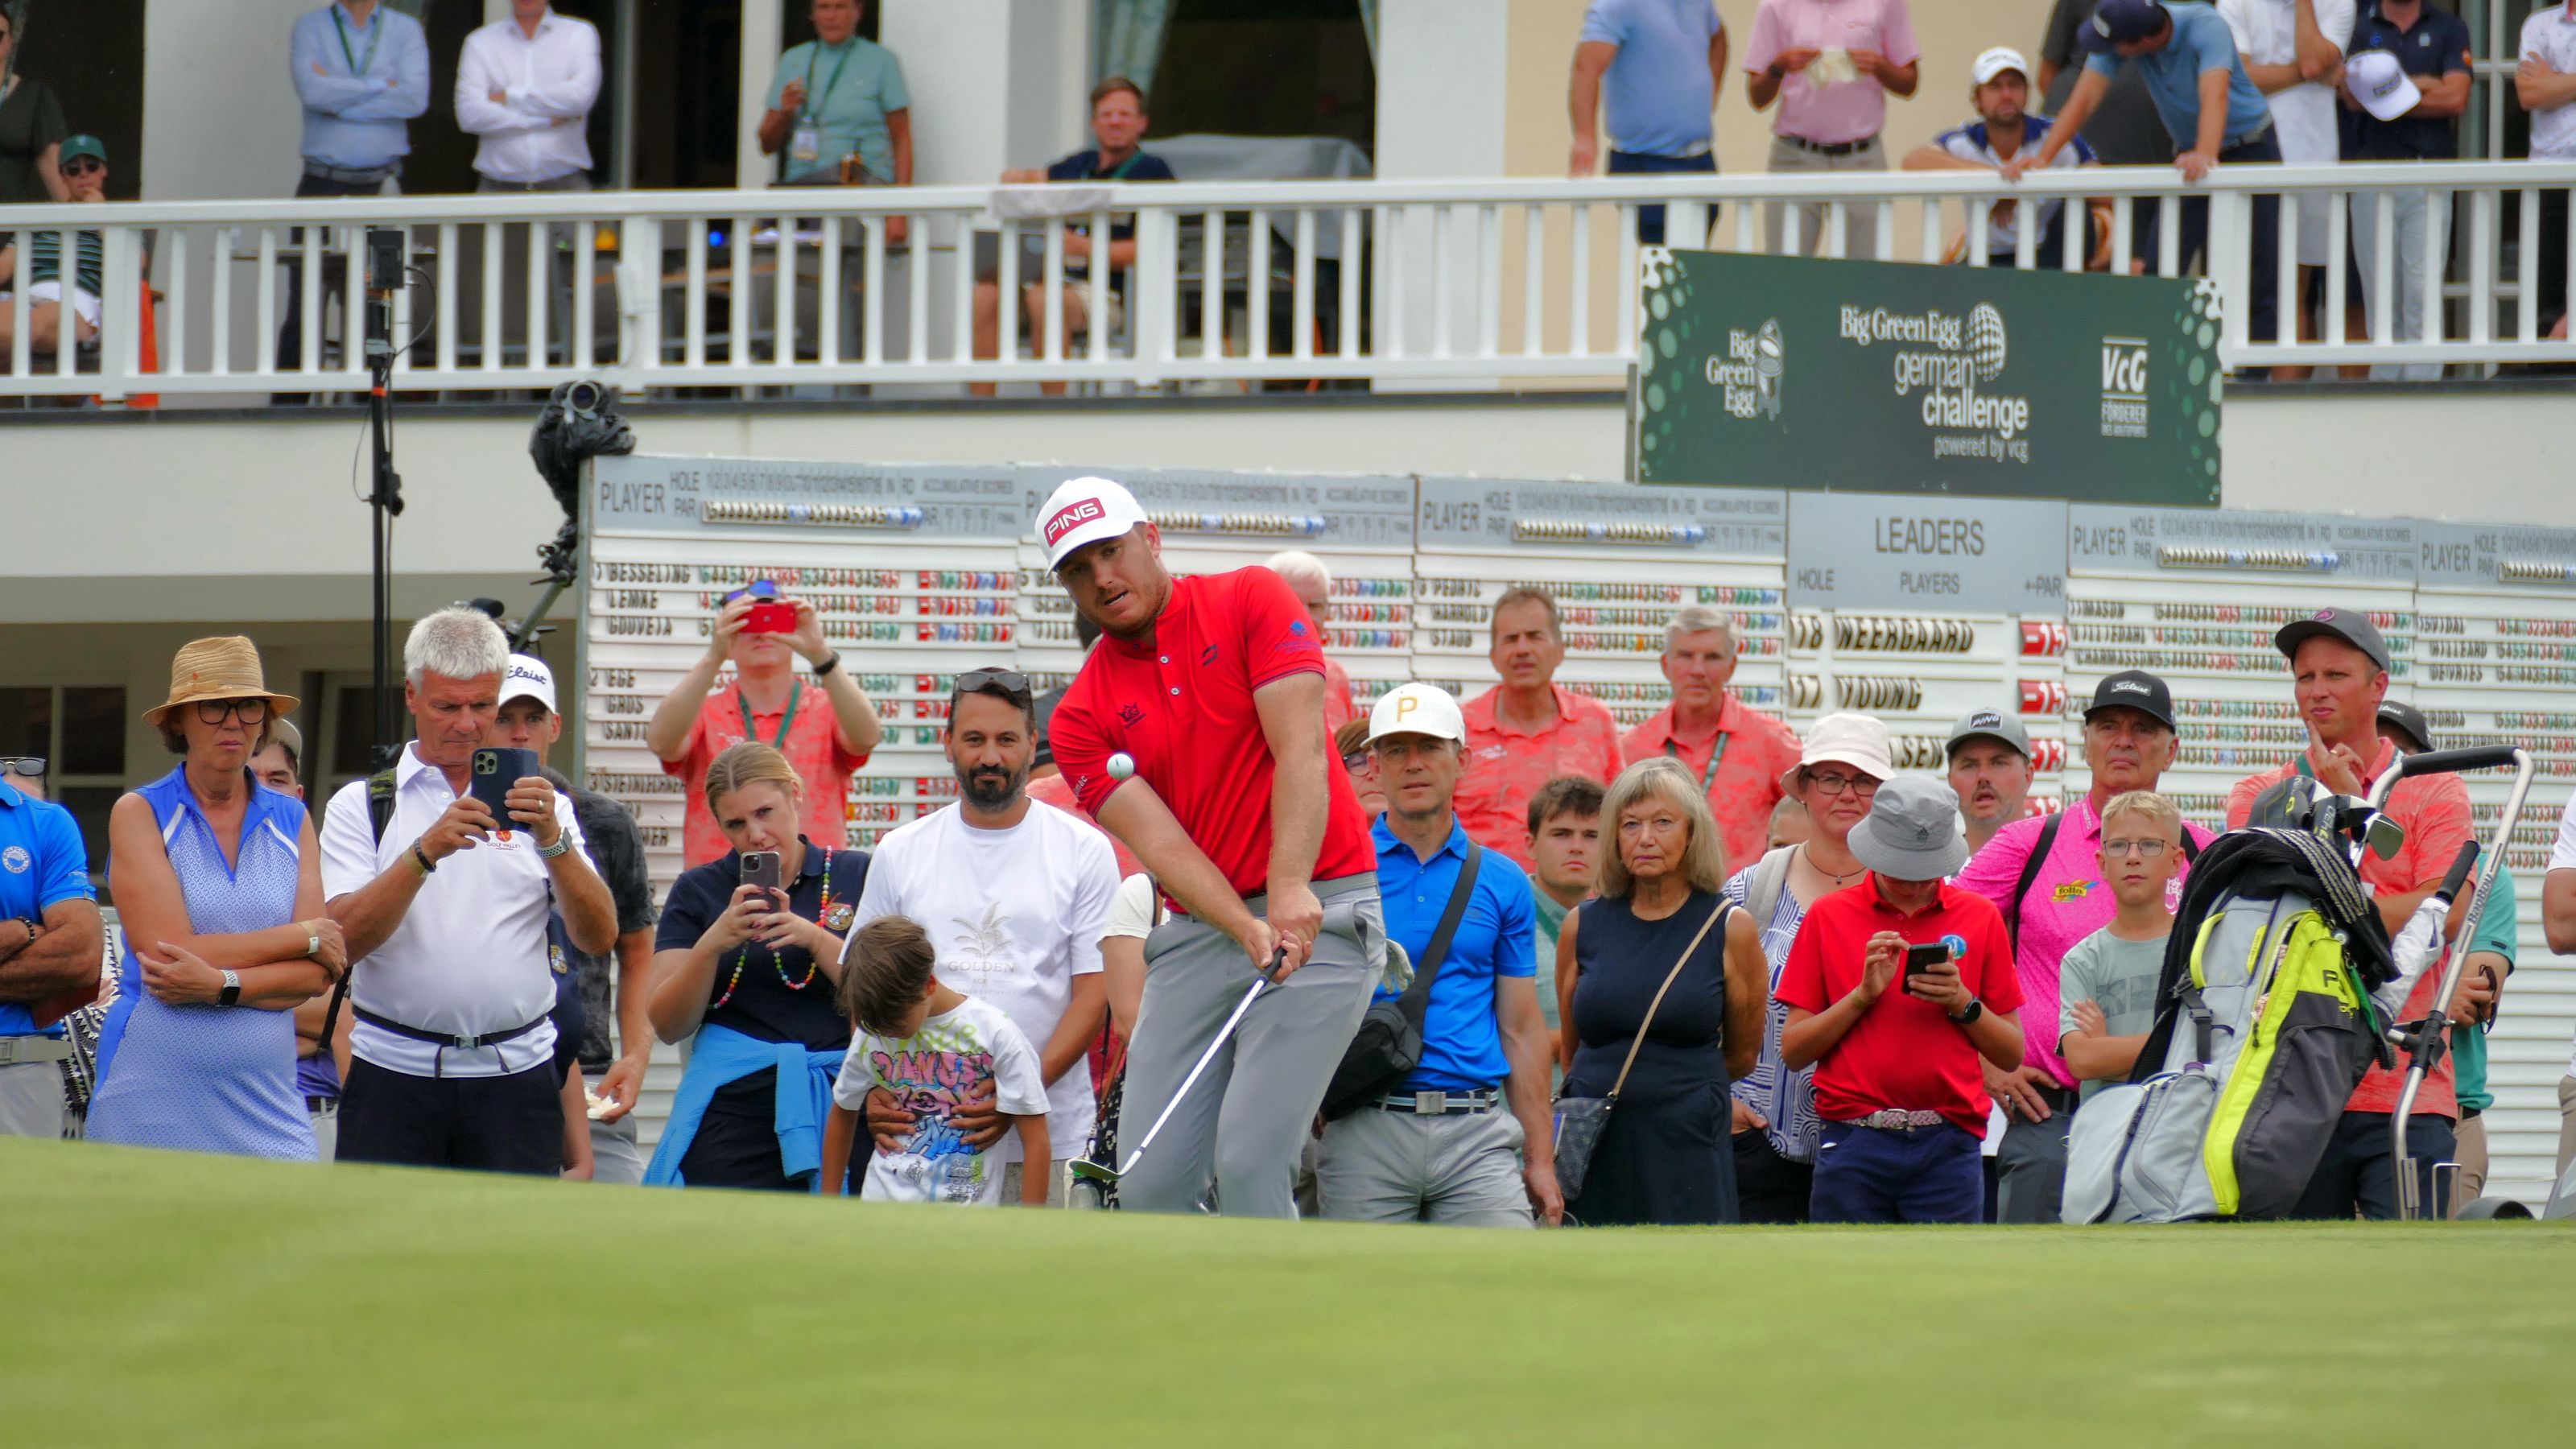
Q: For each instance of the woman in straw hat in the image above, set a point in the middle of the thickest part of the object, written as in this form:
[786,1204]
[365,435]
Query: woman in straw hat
[218,881]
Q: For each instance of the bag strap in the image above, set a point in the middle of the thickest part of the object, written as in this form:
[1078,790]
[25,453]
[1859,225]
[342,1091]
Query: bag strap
[380,813]
[1669,978]
[2030,872]
[1417,992]
[1770,878]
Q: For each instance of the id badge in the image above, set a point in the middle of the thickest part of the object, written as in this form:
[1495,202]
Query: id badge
[806,144]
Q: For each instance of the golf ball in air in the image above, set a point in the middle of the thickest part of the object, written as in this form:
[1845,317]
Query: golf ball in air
[1121,765]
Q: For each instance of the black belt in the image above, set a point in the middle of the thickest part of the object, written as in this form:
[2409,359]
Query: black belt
[351,175]
[315,1103]
[447,1038]
[1825,148]
[551,183]
[1440,1104]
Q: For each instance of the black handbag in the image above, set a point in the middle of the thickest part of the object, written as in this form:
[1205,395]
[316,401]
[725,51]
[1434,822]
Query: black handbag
[1580,1121]
[1388,1045]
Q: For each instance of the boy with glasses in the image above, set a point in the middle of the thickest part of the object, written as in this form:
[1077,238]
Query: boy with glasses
[2107,987]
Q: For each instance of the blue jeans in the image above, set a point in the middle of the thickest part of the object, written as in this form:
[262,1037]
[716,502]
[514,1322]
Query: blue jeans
[1870,1175]
[1650,219]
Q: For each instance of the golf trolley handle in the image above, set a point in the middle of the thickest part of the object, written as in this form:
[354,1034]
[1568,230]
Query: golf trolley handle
[2458,875]
[2426,1052]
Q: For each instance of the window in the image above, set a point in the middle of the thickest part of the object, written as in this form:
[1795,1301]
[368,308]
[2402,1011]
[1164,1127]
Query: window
[1266,68]
[79,731]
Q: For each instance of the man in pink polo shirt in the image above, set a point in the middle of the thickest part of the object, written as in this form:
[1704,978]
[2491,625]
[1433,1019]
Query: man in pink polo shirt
[1832,64]
[1736,752]
[1528,729]
[2045,875]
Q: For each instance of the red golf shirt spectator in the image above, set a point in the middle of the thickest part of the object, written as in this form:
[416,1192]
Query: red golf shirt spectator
[1736,752]
[1528,729]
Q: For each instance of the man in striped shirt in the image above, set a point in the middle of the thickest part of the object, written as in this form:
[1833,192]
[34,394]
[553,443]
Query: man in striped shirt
[83,163]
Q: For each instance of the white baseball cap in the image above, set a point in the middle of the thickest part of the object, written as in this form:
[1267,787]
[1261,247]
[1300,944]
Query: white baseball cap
[1085,510]
[1996,61]
[529,678]
[1857,740]
[1417,709]
[2379,81]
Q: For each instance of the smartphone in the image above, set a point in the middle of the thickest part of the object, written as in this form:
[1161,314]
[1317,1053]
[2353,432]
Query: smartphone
[770,619]
[495,771]
[760,868]
[1926,956]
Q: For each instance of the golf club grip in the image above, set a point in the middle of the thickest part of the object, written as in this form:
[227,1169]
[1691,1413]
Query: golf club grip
[1278,959]
[2458,875]
[2443,762]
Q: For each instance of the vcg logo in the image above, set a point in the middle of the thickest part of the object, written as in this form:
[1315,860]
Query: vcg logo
[2124,387]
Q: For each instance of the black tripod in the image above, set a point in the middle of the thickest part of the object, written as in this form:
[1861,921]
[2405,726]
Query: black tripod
[384,278]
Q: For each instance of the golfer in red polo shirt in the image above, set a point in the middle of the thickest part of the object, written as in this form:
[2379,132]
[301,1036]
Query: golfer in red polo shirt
[1898,1082]
[1213,688]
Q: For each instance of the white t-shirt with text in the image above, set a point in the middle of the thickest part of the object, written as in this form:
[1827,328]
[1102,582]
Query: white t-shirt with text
[928,1073]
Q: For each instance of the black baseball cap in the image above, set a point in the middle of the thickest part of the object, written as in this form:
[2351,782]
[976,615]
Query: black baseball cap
[2119,22]
[2133,689]
[2350,625]
[2410,720]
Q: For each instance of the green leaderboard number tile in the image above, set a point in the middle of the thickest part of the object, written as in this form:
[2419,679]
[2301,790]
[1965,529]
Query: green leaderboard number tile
[1790,372]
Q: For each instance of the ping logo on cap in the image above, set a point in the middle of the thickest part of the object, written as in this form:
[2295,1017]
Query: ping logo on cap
[1985,719]
[1073,516]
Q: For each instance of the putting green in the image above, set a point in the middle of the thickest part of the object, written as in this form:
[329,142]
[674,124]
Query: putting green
[166,1299]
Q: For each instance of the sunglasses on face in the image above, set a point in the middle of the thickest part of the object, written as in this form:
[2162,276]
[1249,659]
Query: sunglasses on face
[82,166]
[1356,760]
[30,767]
[213,711]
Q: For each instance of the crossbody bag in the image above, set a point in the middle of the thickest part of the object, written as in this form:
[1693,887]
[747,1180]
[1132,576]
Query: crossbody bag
[1580,1121]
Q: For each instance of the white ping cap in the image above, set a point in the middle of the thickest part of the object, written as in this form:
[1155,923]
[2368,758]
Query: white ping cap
[1085,510]
[1417,709]
[1996,61]
[529,678]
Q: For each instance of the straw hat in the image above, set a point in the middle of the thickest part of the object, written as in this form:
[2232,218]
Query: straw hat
[226,667]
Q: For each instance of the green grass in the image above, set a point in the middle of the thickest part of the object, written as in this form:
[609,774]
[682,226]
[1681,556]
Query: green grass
[161,1299]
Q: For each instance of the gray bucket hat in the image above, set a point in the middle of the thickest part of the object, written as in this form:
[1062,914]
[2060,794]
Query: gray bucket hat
[1911,831]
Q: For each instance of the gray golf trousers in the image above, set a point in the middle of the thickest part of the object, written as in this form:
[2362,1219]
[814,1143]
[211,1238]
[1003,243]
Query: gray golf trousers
[1242,1125]
[1463,1169]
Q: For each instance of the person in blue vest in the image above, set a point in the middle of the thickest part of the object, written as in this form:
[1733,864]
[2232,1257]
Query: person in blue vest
[1449,1145]
[50,939]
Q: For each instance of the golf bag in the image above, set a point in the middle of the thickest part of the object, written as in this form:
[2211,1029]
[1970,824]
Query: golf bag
[2264,1025]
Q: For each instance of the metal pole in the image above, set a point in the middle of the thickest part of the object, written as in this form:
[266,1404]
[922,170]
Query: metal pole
[385,501]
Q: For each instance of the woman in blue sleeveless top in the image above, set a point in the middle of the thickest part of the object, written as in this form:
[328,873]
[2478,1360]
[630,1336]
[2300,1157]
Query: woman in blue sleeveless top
[1659,951]
[218,881]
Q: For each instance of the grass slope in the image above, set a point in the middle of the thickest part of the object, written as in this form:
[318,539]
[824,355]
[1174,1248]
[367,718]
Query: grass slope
[165,1299]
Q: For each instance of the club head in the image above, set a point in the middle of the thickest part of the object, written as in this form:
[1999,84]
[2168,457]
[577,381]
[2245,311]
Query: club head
[2385,837]
[1085,1170]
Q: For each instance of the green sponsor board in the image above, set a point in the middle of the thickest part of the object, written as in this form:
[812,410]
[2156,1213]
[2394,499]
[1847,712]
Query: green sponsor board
[1791,372]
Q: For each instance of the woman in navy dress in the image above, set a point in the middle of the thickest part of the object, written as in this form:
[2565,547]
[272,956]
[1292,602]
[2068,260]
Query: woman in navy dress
[1665,1156]
[218,882]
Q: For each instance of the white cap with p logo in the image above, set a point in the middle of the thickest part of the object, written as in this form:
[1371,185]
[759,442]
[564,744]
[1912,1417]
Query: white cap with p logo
[1417,709]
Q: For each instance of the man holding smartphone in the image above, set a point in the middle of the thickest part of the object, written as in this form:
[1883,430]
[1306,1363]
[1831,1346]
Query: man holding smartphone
[446,910]
[1899,1078]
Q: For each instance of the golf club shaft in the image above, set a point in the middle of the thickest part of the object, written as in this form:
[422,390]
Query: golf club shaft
[1199,1068]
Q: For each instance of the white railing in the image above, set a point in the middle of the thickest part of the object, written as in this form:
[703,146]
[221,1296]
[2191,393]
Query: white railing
[1404,283]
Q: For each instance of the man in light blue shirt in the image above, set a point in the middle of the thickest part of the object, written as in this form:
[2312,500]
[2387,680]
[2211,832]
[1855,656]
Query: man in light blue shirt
[837,96]
[1665,62]
[50,944]
[2197,80]
[1448,1144]
[362,71]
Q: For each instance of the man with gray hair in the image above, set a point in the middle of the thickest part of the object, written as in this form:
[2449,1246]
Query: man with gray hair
[1736,752]
[446,911]
[1312,583]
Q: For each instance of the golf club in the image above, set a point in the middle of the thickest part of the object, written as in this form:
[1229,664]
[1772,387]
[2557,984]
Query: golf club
[1096,1172]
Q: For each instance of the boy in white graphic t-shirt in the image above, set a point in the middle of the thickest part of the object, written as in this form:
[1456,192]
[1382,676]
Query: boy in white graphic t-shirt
[932,1047]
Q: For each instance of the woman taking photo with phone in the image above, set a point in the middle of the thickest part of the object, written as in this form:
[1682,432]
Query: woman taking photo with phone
[218,882]
[746,970]
[1660,988]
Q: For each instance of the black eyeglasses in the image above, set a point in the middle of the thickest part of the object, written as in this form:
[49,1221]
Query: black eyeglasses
[31,767]
[213,711]
[81,166]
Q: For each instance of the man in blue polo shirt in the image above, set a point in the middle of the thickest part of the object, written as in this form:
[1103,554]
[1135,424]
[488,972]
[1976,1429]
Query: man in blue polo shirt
[1662,64]
[1449,1146]
[50,940]
[2210,106]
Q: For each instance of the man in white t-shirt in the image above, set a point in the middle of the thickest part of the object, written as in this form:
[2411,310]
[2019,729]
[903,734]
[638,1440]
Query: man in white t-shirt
[2293,52]
[1016,899]
[2558,919]
[2544,81]
[2005,128]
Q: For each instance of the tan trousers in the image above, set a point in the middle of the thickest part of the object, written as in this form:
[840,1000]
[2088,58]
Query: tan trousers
[2469,1149]
[1860,218]
[2566,1123]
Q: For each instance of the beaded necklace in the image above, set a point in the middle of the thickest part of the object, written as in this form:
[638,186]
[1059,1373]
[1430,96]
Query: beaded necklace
[812,966]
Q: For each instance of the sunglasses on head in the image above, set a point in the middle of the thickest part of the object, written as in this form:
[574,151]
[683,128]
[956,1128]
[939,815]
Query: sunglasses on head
[1009,681]
[756,589]
[31,767]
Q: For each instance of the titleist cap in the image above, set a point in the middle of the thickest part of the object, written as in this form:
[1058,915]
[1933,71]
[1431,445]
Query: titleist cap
[1083,511]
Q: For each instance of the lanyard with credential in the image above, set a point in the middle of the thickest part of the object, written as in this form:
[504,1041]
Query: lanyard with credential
[814,99]
[375,37]
[1716,753]
[787,722]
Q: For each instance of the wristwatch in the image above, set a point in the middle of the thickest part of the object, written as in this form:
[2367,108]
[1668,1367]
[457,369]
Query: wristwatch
[312,941]
[231,994]
[563,842]
[825,665]
[1969,1017]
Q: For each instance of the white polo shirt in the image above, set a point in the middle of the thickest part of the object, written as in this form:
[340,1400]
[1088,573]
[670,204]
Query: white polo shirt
[471,955]
[2551,35]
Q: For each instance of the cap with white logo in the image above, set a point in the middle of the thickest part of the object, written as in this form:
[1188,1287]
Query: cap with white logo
[529,678]
[1996,61]
[1417,709]
[2379,81]
[2133,689]
[1989,724]
[1083,511]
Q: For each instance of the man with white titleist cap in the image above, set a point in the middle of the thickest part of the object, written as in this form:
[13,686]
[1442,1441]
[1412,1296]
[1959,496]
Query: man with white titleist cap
[1447,1143]
[1213,686]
